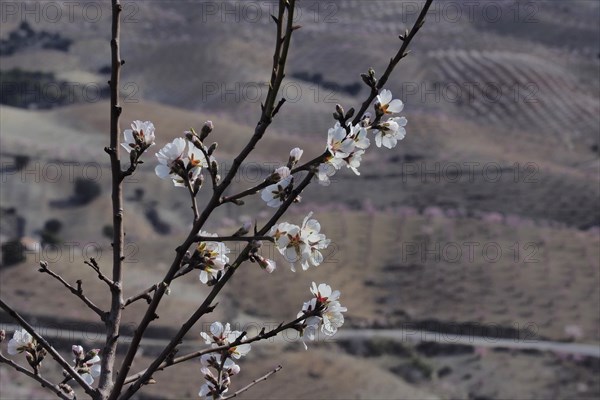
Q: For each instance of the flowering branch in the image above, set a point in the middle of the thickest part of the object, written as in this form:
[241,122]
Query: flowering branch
[76,291]
[44,344]
[206,305]
[262,335]
[279,60]
[35,376]
[254,382]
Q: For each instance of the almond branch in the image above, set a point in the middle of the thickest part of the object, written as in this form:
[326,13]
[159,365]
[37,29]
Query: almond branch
[51,350]
[44,382]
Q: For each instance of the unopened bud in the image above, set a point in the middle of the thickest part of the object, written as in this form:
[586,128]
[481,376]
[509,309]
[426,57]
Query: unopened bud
[66,389]
[279,174]
[212,148]
[206,130]
[190,134]
[77,351]
[266,264]
[243,229]
[350,113]
[198,183]
[2,335]
[234,370]
[133,155]
[295,155]
[340,110]
[30,359]
[91,354]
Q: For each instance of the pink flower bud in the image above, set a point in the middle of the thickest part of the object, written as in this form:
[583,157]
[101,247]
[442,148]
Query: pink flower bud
[77,351]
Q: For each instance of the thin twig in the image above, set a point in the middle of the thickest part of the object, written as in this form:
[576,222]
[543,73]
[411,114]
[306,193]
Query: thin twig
[113,321]
[44,382]
[406,39]
[188,184]
[51,350]
[254,382]
[247,192]
[213,175]
[145,294]
[76,291]
[94,265]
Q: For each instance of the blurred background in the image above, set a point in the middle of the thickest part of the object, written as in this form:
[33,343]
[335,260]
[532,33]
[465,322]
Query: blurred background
[468,256]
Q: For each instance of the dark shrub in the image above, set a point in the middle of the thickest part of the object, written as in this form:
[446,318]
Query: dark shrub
[108,231]
[86,191]
[21,161]
[13,252]
[53,226]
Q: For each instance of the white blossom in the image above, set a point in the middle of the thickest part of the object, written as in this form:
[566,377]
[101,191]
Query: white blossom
[218,334]
[390,132]
[328,316]
[359,136]
[300,244]
[214,360]
[141,134]
[213,258]
[386,105]
[315,240]
[274,195]
[338,144]
[171,158]
[20,342]
[239,350]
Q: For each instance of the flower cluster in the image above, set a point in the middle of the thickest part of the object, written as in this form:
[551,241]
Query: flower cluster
[87,364]
[182,162]
[139,138]
[211,258]
[218,382]
[20,342]
[325,312]
[301,244]
[346,144]
[23,342]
